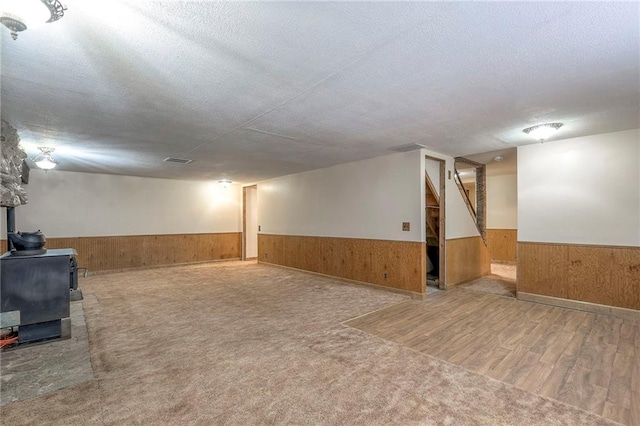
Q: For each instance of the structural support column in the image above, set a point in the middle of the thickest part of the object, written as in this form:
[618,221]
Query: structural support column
[481,201]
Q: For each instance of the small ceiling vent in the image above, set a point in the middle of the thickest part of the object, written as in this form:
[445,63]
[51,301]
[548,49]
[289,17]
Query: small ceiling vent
[406,148]
[177,160]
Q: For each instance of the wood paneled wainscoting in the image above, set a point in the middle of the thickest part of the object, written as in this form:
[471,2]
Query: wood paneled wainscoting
[395,264]
[599,275]
[467,259]
[140,251]
[503,244]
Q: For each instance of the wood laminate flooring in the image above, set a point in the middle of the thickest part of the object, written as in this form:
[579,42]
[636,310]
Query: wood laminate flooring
[586,360]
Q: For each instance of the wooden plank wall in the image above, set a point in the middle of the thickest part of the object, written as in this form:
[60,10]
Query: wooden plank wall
[503,244]
[355,259]
[595,274]
[467,259]
[139,251]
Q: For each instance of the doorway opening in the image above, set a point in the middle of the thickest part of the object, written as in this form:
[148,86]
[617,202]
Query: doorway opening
[435,223]
[473,191]
[250,222]
[490,183]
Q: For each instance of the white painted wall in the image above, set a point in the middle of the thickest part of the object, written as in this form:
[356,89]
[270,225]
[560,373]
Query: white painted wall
[433,170]
[69,204]
[471,187]
[502,202]
[251,249]
[363,199]
[459,223]
[583,190]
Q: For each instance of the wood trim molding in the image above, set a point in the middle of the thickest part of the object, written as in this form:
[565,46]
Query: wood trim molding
[601,275]
[579,245]
[393,264]
[142,251]
[581,306]
[244,223]
[442,202]
[341,238]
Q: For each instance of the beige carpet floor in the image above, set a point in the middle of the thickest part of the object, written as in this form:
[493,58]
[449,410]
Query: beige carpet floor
[501,281]
[493,284]
[238,344]
[505,270]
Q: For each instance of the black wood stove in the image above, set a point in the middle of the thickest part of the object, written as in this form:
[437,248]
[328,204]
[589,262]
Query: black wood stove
[35,286]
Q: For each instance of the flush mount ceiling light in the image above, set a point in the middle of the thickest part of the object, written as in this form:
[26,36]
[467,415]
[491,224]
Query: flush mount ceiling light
[542,131]
[16,15]
[45,161]
[498,158]
[225,183]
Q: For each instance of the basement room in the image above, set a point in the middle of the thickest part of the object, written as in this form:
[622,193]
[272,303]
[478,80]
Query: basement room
[319,213]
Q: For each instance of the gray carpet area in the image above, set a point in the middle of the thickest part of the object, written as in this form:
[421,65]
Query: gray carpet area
[238,344]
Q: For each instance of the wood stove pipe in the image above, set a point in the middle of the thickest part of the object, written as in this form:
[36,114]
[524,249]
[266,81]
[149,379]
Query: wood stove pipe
[11,225]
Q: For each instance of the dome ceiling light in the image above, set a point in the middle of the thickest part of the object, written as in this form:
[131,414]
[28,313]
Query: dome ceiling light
[46,161]
[16,15]
[542,132]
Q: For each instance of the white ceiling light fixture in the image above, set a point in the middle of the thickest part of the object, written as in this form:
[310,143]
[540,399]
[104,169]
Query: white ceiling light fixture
[46,161]
[16,15]
[498,158]
[225,183]
[542,132]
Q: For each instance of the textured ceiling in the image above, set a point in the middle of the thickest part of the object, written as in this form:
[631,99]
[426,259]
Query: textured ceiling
[256,90]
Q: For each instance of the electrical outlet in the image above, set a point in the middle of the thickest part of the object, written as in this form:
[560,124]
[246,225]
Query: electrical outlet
[386,275]
[449,174]
[406,226]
